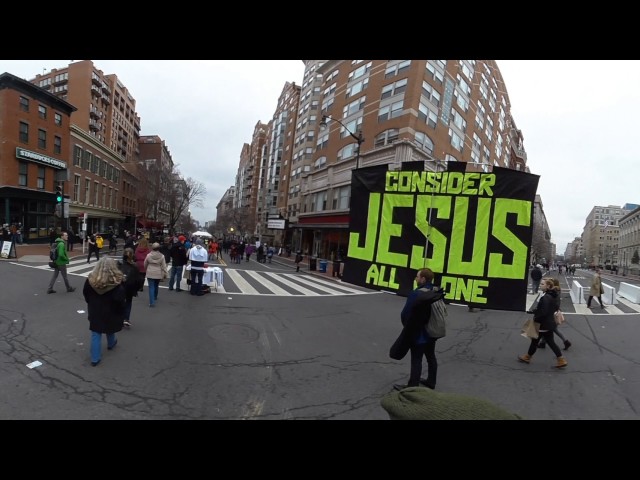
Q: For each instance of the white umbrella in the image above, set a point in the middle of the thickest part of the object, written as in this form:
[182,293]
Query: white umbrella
[202,234]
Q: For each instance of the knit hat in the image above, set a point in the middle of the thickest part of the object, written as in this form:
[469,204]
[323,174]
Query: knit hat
[182,238]
[420,403]
[199,241]
[155,246]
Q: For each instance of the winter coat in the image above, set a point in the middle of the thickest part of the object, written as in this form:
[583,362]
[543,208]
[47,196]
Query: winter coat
[63,257]
[178,254]
[134,280]
[140,254]
[547,305]
[155,265]
[596,286]
[106,307]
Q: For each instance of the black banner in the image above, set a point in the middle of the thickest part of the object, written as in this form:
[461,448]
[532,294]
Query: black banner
[473,229]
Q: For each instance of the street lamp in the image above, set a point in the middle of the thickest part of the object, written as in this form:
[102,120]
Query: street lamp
[359,138]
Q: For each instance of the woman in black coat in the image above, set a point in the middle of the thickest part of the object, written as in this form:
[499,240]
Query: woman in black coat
[105,296]
[543,314]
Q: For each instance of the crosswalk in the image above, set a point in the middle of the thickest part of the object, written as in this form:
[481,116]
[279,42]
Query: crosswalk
[252,282]
[622,307]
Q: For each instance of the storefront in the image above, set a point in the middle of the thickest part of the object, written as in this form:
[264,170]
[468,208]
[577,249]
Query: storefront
[325,236]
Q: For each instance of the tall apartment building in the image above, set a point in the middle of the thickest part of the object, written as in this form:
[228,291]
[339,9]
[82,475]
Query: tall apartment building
[35,146]
[574,253]
[629,242]
[600,235]
[406,110]
[155,179]
[105,110]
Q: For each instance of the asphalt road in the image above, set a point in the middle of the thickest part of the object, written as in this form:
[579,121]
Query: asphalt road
[260,357]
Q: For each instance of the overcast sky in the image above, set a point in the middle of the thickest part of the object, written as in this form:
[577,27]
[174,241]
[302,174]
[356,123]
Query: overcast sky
[577,118]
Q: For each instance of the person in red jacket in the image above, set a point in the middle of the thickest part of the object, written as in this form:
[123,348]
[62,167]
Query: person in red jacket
[142,250]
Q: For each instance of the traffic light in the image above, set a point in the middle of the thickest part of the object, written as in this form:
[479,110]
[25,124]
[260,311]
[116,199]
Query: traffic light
[59,192]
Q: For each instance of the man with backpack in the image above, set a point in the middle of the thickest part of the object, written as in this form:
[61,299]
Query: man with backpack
[417,335]
[59,260]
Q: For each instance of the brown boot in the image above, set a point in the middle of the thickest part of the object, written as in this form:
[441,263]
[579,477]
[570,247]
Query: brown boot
[526,358]
[561,362]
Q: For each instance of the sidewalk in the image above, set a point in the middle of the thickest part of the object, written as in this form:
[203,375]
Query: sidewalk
[39,252]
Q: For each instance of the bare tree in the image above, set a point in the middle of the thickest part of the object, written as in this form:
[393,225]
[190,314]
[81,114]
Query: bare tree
[236,218]
[184,194]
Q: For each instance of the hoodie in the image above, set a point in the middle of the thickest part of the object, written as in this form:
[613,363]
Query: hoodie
[198,255]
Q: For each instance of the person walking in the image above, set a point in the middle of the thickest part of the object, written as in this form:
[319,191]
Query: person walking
[131,282]
[71,240]
[543,315]
[113,243]
[93,248]
[61,263]
[596,289]
[178,255]
[140,253]
[536,276]
[414,316]
[106,297]
[542,343]
[155,267]
[197,258]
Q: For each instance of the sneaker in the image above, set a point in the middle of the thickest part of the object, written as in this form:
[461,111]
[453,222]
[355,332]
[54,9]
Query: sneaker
[127,323]
[71,289]
[93,364]
[526,358]
[51,290]
[113,346]
[171,289]
[561,362]
[567,344]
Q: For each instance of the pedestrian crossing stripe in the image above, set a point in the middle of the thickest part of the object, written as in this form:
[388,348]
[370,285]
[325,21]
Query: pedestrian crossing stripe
[276,284]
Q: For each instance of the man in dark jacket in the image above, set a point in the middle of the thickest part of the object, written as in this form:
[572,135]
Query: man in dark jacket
[178,254]
[414,316]
[536,276]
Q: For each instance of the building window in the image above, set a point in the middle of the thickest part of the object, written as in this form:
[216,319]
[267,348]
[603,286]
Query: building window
[42,111]
[341,198]
[430,93]
[77,155]
[390,111]
[24,132]
[347,151]
[427,116]
[87,160]
[318,164]
[57,144]
[356,88]
[353,107]
[96,190]
[111,197]
[424,142]
[104,196]
[42,139]
[322,142]
[58,119]
[351,127]
[360,71]
[87,190]
[24,104]
[397,69]
[456,141]
[40,183]
[458,120]
[22,174]
[394,89]
[76,188]
[387,137]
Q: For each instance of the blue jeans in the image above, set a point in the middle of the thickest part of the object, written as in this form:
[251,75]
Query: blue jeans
[154,284]
[96,347]
[176,276]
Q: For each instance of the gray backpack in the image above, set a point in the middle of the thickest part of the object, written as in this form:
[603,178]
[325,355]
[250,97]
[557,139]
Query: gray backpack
[437,325]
